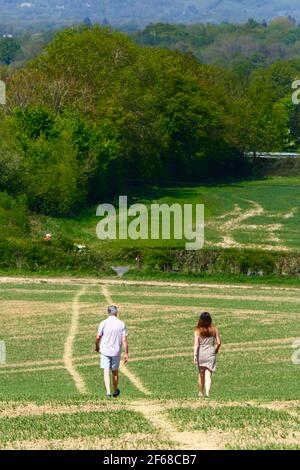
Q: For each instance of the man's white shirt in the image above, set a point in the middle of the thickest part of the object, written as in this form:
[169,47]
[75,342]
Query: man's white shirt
[112,332]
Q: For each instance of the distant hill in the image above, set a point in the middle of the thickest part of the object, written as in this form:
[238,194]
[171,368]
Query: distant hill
[142,12]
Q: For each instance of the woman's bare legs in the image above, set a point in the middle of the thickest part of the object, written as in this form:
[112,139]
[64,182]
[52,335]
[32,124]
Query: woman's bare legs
[201,381]
[207,381]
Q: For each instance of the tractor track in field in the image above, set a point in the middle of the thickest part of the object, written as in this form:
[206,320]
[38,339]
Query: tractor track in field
[138,384]
[128,441]
[200,296]
[106,294]
[129,293]
[69,344]
[14,409]
[93,363]
[195,440]
[112,282]
[237,220]
[154,411]
[147,355]
[134,379]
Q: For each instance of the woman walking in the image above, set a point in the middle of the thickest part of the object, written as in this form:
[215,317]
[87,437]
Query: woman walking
[206,346]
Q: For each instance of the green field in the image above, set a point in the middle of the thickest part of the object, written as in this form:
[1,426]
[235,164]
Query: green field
[262,214]
[51,392]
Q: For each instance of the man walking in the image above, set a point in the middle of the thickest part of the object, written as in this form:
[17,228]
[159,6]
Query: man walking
[112,335]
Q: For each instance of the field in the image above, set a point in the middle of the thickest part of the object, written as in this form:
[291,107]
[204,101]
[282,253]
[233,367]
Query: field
[51,392]
[262,214]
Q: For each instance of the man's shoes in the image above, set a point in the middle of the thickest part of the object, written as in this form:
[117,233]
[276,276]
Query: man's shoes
[116,393]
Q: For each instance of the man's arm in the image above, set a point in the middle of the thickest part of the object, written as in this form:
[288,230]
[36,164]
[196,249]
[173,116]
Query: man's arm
[99,336]
[97,344]
[125,346]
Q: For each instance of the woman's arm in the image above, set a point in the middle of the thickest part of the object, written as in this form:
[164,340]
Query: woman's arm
[218,341]
[196,347]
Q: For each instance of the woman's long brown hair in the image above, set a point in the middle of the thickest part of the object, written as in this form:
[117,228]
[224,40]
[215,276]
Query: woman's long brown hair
[205,327]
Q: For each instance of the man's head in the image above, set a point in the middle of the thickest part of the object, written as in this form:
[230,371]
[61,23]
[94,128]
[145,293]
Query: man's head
[112,310]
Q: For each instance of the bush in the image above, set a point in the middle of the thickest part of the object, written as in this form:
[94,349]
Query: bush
[14,220]
[61,255]
[218,261]
[45,255]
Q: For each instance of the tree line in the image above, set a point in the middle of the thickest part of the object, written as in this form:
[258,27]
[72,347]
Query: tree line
[95,113]
[241,48]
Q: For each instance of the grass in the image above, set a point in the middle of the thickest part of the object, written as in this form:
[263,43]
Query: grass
[258,326]
[265,429]
[274,223]
[62,426]
[231,417]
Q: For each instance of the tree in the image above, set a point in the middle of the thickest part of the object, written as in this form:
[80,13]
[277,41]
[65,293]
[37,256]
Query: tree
[9,49]
[87,22]
[10,159]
